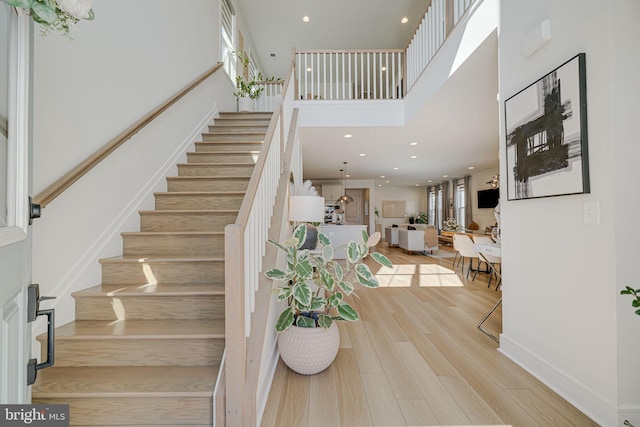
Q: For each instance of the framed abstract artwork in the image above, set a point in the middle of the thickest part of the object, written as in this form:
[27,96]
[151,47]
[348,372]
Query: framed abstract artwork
[546,135]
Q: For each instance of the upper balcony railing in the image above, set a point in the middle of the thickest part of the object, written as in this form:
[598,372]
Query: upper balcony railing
[373,74]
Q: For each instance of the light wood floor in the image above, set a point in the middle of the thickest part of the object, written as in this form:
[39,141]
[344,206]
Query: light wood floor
[416,358]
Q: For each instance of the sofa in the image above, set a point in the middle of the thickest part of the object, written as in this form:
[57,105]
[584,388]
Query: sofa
[423,239]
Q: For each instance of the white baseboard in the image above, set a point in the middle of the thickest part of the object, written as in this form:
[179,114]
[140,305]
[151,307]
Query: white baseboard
[586,400]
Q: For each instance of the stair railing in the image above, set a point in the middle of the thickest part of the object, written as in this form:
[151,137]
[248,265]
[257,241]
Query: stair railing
[54,190]
[247,292]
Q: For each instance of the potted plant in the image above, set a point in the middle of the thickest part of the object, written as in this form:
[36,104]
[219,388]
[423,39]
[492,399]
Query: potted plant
[421,218]
[315,287]
[247,89]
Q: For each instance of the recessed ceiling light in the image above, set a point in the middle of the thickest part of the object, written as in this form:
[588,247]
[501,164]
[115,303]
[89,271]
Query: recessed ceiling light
[417,185]
[395,169]
[445,176]
[305,19]
[471,168]
[429,181]
[414,157]
[404,20]
[348,135]
[348,175]
[384,69]
[382,176]
[414,143]
[387,182]
[362,154]
[379,185]
[308,69]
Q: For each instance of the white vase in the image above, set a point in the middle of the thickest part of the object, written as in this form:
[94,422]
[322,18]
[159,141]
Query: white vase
[308,351]
[246,104]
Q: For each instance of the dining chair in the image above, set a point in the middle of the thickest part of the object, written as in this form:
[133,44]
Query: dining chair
[464,245]
[491,260]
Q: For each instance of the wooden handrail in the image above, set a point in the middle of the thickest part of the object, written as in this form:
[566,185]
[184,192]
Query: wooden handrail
[54,190]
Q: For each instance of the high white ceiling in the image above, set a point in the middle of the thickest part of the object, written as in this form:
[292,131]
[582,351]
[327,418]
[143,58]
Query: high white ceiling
[455,129]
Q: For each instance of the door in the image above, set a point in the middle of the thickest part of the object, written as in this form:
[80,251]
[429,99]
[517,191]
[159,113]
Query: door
[15,241]
[354,209]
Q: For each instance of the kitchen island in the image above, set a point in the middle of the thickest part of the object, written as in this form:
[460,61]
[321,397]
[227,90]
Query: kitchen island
[340,235]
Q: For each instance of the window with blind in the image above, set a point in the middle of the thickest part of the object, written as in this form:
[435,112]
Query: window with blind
[227,40]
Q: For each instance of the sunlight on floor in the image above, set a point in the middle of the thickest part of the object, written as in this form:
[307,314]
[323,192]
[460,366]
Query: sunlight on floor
[148,272]
[422,275]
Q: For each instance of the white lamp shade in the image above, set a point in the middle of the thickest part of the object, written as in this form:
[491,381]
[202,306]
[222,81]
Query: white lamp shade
[306,209]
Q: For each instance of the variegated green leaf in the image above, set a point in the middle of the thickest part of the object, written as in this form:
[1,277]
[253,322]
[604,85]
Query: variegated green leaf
[305,322]
[335,299]
[285,320]
[338,270]
[323,239]
[291,242]
[381,259]
[324,321]
[302,293]
[353,252]
[365,277]
[327,280]
[317,303]
[327,253]
[282,293]
[276,274]
[346,287]
[347,312]
[304,269]
[277,245]
[365,236]
[374,239]
[300,233]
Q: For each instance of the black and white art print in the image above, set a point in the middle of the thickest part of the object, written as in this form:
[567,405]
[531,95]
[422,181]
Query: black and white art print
[546,135]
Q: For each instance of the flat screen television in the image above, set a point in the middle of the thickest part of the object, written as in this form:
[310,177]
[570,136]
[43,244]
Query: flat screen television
[488,198]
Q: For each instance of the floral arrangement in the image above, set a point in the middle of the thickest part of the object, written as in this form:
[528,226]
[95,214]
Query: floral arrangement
[58,15]
[315,286]
[421,218]
[451,225]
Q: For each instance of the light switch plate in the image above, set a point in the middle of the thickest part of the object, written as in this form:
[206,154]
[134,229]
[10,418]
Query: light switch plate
[592,212]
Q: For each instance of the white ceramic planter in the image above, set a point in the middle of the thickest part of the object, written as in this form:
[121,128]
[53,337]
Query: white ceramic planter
[308,351]
[246,104]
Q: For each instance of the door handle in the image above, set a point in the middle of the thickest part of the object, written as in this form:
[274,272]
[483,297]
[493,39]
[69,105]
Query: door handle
[33,311]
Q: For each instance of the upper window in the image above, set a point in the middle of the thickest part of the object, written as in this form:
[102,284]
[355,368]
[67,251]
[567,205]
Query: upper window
[227,40]
[460,203]
[5,49]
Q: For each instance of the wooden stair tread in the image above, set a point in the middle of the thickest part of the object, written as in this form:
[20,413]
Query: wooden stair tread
[189,211]
[148,289]
[126,381]
[172,233]
[203,177]
[141,329]
[177,258]
[200,193]
[216,164]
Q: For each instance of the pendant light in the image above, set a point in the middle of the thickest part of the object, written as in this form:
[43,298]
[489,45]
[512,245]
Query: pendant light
[344,199]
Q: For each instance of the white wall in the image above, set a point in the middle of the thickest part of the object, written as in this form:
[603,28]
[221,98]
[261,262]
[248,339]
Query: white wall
[561,276]
[415,198]
[133,57]
[483,217]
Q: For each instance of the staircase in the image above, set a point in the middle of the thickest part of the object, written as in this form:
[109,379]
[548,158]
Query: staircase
[146,343]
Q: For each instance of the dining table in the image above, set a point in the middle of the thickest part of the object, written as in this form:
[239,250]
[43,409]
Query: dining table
[494,251]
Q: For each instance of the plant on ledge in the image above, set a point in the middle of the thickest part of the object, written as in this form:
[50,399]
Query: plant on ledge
[309,308]
[421,218]
[636,295]
[451,225]
[59,15]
